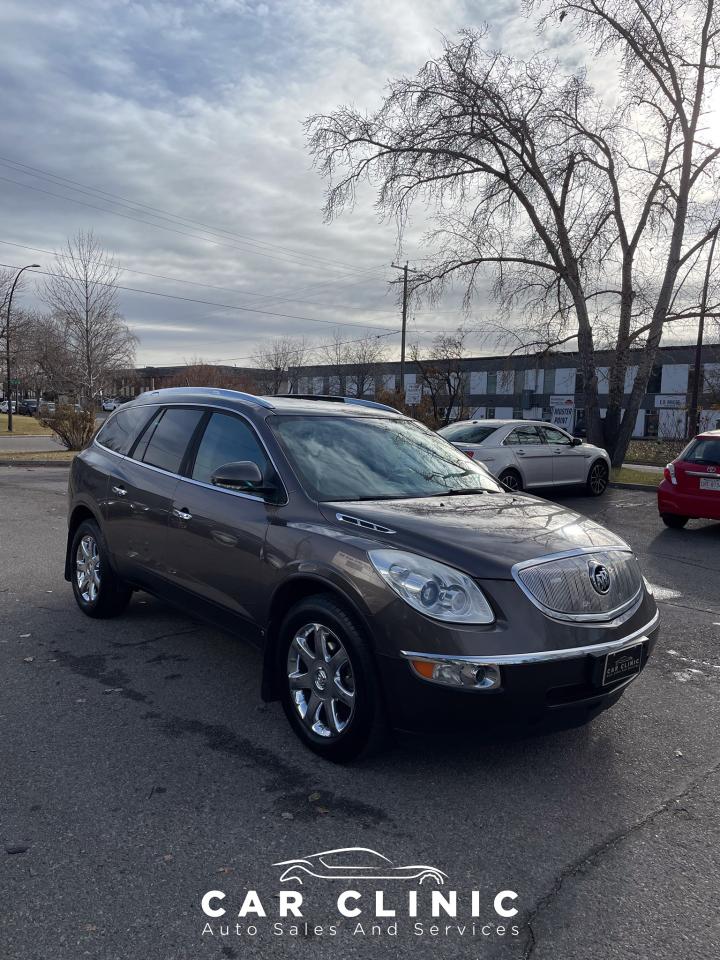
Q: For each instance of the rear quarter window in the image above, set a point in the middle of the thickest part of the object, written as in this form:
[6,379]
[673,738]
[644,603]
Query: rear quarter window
[122,429]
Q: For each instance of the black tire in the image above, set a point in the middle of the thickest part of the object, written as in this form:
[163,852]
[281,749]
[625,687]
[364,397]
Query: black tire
[674,520]
[366,729]
[511,480]
[597,478]
[110,594]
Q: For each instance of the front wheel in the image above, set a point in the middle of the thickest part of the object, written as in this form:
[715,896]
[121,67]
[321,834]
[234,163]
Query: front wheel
[597,479]
[512,480]
[99,592]
[330,691]
[674,520]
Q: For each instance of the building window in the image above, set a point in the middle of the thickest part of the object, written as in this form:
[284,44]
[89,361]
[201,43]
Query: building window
[579,381]
[549,381]
[654,382]
[490,413]
[518,414]
[492,383]
[651,423]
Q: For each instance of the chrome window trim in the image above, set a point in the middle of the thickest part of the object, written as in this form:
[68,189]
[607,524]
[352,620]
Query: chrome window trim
[200,483]
[609,618]
[544,656]
[702,473]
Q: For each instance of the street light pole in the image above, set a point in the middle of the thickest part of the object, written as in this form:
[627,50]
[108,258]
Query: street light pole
[30,266]
[405,269]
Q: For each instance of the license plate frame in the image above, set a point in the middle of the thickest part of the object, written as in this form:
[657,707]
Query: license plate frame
[710,483]
[622,664]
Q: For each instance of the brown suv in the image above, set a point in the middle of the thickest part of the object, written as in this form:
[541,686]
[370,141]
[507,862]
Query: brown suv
[389,579]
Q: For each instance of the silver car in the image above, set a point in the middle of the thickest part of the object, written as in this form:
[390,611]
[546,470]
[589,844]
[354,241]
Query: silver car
[526,453]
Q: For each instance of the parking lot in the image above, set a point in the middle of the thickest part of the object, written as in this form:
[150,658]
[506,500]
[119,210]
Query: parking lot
[140,769]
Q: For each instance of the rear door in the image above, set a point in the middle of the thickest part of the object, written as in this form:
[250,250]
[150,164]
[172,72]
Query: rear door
[531,454]
[216,536]
[140,493]
[569,463]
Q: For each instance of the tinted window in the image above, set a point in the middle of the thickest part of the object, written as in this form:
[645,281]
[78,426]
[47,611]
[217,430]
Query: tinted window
[703,451]
[120,430]
[466,433]
[368,458]
[227,439]
[523,436]
[170,437]
[556,436]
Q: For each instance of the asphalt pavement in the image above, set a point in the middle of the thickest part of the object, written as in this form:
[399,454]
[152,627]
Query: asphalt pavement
[139,770]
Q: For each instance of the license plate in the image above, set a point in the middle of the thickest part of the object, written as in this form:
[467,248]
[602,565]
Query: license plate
[622,664]
[710,483]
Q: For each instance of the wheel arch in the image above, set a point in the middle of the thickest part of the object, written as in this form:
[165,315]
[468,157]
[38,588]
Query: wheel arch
[289,593]
[79,514]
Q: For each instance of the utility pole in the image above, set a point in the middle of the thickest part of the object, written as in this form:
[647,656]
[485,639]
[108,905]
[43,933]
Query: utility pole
[30,266]
[405,269]
[693,416]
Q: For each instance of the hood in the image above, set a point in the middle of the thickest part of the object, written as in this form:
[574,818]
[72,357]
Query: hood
[482,534]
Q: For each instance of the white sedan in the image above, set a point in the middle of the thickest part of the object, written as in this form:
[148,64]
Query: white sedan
[525,454]
[110,404]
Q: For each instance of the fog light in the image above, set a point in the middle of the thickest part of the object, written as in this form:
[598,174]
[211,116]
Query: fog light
[459,673]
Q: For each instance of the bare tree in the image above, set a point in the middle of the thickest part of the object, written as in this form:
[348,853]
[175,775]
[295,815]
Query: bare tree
[83,300]
[442,375]
[199,373]
[588,214]
[357,360]
[279,363]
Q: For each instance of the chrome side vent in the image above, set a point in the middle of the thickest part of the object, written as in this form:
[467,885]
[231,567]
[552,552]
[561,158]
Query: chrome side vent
[363,524]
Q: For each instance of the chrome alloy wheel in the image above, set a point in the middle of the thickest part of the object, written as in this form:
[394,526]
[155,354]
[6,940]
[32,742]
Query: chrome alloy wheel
[598,478]
[87,568]
[320,676]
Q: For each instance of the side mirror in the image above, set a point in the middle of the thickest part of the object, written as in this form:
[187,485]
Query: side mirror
[576,441]
[242,475]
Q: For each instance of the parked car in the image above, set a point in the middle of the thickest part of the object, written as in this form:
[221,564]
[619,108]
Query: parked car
[47,408]
[690,488]
[28,408]
[4,406]
[110,404]
[389,579]
[524,454]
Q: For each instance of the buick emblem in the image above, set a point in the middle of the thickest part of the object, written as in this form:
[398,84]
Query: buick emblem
[599,577]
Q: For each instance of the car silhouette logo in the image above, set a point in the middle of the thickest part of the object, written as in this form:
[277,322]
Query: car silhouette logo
[599,577]
[355,863]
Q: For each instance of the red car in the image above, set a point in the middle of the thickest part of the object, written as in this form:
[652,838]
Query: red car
[691,485]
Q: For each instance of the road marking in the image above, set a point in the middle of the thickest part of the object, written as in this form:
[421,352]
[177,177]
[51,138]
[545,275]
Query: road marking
[702,663]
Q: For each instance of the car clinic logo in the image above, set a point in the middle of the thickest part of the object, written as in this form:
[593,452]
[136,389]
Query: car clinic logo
[416,901]
[355,863]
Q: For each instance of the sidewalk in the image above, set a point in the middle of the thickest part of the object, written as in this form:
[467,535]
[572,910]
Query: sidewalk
[39,444]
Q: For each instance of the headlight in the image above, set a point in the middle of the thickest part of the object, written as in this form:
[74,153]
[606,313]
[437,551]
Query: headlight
[432,588]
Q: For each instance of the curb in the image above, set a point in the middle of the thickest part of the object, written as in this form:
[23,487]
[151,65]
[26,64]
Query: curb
[632,486]
[35,463]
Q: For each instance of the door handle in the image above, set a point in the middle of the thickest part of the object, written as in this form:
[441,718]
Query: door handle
[120,491]
[182,514]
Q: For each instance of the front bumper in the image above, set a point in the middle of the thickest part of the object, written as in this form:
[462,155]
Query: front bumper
[562,687]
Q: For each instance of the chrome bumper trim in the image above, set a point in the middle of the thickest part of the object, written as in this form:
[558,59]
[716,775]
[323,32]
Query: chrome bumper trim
[544,656]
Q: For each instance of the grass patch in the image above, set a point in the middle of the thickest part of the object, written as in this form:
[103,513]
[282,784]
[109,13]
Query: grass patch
[628,475]
[19,456]
[23,427]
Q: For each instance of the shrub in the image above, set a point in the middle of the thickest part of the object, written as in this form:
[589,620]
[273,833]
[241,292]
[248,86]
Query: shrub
[74,428]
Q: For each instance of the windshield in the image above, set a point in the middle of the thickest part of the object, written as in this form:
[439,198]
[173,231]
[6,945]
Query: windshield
[368,458]
[466,432]
[702,451]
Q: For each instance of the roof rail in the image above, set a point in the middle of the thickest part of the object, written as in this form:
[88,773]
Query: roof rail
[353,401]
[214,391]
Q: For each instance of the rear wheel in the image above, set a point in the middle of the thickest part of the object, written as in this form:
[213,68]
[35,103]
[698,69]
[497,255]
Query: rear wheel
[330,691]
[512,480]
[674,520]
[597,479]
[99,592]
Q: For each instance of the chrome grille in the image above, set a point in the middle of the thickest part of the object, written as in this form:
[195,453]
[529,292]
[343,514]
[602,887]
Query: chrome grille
[562,586]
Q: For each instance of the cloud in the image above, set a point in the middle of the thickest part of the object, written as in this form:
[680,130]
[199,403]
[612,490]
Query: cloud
[196,109]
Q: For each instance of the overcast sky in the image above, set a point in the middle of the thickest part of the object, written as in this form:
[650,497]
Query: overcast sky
[195,110]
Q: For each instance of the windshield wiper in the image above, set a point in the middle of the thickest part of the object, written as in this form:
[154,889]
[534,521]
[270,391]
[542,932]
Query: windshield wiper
[458,492]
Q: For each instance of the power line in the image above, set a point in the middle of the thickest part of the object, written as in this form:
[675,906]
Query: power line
[159,212]
[209,303]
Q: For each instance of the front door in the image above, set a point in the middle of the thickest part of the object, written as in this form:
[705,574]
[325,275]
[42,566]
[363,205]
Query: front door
[569,462]
[216,536]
